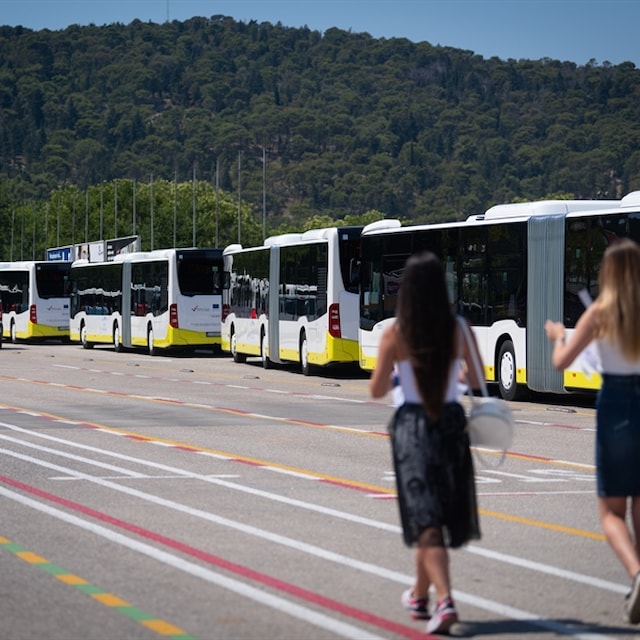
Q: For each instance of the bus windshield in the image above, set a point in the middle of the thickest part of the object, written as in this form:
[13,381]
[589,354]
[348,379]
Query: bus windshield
[51,279]
[349,250]
[200,275]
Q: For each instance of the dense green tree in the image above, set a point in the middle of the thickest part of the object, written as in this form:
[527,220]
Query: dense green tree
[347,124]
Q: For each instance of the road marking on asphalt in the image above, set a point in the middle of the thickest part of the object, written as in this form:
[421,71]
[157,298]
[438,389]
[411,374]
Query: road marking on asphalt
[105,598]
[257,594]
[233,585]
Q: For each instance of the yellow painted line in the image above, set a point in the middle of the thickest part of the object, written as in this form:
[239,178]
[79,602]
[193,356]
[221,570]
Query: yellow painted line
[31,558]
[71,579]
[544,525]
[334,480]
[162,627]
[157,625]
[256,462]
[196,405]
[109,600]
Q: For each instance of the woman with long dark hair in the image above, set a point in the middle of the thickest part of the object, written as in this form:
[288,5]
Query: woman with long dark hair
[425,347]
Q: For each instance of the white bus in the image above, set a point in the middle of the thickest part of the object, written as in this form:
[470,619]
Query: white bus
[509,270]
[158,300]
[292,299]
[34,300]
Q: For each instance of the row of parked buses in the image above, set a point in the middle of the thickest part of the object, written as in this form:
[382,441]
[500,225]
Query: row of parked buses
[157,300]
[324,296]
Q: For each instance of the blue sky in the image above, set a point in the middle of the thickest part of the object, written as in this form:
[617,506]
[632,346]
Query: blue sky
[575,30]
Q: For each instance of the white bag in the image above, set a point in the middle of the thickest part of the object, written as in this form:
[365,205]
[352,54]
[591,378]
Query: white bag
[490,421]
[490,424]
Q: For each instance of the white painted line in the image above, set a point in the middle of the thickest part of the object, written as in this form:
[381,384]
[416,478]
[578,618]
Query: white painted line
[256,594]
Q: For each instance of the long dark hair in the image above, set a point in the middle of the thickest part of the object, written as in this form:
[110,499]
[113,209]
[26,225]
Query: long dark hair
[426,326]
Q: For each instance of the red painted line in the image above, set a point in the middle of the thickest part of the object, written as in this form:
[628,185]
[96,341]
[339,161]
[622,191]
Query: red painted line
[246,572]
[250,463]
[346,484]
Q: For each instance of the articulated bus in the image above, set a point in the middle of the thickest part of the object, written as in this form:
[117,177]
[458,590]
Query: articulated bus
[157,300]
[292,300]
[509,270]
[34,299]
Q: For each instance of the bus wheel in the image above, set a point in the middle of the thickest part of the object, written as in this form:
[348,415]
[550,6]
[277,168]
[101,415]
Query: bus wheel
[117,346]
[83,337]
[14,337]
[507,371]
[151,348]
[304,355]
[266,362]
[237,357]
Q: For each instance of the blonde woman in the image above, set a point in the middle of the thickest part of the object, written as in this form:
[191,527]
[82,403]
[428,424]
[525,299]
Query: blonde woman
[430,446]
[613,321]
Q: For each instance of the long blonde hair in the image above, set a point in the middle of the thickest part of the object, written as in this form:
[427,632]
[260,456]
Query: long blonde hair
[618,303]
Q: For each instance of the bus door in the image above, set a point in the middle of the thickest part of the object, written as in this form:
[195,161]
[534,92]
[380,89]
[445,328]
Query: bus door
[545,298]
[273,343]
[473,289]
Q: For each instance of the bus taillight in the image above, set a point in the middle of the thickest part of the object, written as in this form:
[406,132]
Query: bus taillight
[33,315]
[225,312]
[173,316]
[334,321]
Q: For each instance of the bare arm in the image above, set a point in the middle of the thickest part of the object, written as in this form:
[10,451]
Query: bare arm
[565,352]
[380,382]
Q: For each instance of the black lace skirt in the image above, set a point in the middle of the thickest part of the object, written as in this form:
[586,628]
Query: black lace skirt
[434,474]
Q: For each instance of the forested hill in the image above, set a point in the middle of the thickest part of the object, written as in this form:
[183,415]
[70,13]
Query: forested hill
[347,123]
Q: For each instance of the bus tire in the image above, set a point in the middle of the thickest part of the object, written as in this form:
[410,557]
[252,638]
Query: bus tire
[305,367]
[151,348]
[237,357]
[117,345]
[266,362]
[12,333]
[83,337]
[507,371]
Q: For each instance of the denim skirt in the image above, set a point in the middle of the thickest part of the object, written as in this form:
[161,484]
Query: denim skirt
[618,436]
[434,474]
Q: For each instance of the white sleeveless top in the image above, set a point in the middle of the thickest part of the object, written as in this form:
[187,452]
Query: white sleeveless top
[410,390]
[614,361]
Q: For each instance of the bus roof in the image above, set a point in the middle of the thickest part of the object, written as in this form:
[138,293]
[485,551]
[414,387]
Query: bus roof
[545,208]
[631,200]
[27,264]
[387,223]
[522,211]
[285,238]
[310,235]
